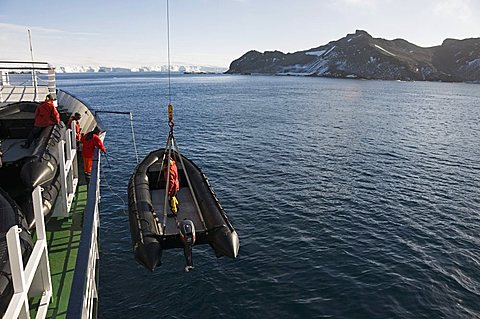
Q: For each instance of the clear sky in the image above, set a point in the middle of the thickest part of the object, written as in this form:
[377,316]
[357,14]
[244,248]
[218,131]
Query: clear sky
[132,33]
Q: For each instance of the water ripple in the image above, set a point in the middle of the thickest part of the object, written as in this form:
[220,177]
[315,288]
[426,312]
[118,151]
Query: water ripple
[352,199]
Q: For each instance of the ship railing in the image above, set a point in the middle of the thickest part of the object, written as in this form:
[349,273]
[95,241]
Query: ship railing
[34,280]
[26,81]
[83,301]
[68,173]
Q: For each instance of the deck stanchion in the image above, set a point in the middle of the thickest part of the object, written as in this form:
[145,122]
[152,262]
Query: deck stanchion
[35,279]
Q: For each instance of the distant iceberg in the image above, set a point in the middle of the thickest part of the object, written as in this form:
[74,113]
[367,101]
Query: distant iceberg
[176,68]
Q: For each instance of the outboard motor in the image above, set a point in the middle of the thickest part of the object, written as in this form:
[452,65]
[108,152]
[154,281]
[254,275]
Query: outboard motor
[187,235]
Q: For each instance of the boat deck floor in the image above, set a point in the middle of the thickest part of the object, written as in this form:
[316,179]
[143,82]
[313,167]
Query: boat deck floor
[63,238]
[186,210]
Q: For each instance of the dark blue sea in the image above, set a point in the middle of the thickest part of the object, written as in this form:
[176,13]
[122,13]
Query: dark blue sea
[352,199]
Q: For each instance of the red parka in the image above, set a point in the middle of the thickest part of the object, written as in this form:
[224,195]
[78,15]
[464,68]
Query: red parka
[90,141]
[173,184]
[46,114]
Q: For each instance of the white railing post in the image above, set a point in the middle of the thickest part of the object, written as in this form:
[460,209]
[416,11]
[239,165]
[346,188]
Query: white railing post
[68,143]
[20,308]
[62,194]
[35,84]
[35,280]
[51,83]
[68,175]
[1,86]
[51,80]
[68,169]
[73,135]
[43,283]
[38,211]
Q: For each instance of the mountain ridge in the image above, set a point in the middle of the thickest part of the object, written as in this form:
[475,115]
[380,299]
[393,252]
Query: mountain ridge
[359,55]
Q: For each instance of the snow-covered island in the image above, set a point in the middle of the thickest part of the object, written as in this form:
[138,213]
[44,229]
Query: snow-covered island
[359,55]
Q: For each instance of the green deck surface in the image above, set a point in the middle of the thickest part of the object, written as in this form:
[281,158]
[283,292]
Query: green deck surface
[63,236]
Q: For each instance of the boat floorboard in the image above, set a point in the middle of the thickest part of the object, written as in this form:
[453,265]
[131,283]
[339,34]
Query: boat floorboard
[12,150]
[186,210]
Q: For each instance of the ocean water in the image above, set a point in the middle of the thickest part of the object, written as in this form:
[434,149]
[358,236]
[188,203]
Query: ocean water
[352,199]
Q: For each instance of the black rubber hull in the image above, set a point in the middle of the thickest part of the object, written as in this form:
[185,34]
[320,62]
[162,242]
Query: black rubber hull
[41,167]
[10,215]
[148,236]
[49,198]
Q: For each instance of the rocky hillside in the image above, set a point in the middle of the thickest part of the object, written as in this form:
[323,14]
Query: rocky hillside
[359,55]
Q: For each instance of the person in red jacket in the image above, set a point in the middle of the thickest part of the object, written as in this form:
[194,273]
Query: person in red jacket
[90,141]
[46,114]
[173,183]
[78,132]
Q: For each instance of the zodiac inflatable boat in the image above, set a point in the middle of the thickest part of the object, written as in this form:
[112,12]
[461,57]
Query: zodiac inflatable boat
[200,218]
[10,215]
[25,169]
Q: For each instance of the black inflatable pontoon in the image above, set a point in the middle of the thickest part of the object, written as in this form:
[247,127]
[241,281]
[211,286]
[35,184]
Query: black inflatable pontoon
[41,166]
[25,169]
[10,215]
[153,226]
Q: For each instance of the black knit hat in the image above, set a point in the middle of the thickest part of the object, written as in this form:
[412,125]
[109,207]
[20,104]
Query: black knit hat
[51,97]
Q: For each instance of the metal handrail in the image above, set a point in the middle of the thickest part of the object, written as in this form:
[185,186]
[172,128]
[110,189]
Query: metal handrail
[14,88]
[82,303]
[24,68]
[22,62]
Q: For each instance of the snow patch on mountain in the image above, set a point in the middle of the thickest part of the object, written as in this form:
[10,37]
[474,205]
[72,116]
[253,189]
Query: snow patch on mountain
[316,53]
[474,63]
[388,52]
[331,49]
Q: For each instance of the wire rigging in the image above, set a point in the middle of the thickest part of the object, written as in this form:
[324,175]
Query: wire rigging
[168,54]
[34,74]
[124,212]
[172,147]
[133,137]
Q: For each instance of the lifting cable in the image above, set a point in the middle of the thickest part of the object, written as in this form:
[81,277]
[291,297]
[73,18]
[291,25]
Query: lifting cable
[111,188]
[168,54]
[131,127]
[109,155]
[172,144]
[133,137]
